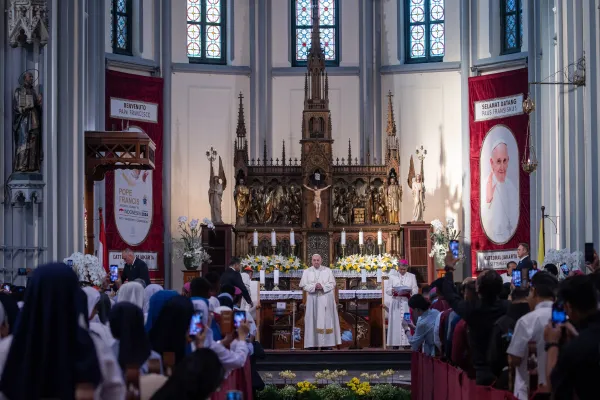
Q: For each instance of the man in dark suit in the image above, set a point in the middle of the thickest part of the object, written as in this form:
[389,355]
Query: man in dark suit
[134,268]
[524,259]
[231,276]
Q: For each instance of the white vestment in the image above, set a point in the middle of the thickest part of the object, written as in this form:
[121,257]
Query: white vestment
[501,216]
[397,306]
[321,321]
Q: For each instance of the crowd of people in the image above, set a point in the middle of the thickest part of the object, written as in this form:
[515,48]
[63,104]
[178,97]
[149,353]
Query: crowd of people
[539,337]
[63,339]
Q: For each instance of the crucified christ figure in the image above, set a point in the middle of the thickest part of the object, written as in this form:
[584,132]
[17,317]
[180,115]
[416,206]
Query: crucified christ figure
[317,198]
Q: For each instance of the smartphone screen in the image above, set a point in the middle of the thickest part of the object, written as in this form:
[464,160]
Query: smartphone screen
[7,287]
[558,313]
[114,273]
[516,278]
[532,273]
[565,269]
[589,253]
[196,325]
[70,263]
[454,248]
[407,316]
[238,317]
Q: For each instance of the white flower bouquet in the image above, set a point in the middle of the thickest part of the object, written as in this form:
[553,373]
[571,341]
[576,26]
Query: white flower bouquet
[357,262]
[441,238]
[271,263]
[573,260]
[191,251]
[87,267]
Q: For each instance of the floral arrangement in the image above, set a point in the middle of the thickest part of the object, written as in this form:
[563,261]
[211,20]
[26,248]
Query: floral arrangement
[441,238]
[305,386]
[358,387]
[573,260]
[330,376]
[191,235]
[271,263]
[87,267]
[287,375]
[356,262]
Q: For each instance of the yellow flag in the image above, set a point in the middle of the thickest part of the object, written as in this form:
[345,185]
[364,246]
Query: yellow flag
[541,246]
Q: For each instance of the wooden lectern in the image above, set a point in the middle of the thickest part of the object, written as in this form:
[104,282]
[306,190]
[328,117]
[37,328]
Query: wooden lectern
[417,246]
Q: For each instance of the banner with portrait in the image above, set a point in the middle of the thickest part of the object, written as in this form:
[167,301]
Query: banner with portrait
[499,186]
[134,197]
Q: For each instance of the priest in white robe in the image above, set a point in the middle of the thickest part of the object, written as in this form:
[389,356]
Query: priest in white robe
[398,305]
[321,321]
[499,197]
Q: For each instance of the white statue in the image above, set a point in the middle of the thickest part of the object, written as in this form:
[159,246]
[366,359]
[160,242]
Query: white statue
[217,185]
[418,190]
[317,198]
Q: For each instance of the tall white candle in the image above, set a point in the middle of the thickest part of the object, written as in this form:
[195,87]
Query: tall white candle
[361,237]
[379,275]
[262,276]
[273,238]
[276,276]
[292,238]
[343,237]
[379,237]
[255,238]
[363,275]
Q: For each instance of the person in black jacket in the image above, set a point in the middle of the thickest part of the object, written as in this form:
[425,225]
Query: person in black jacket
[479,315]
[231,276]
[524,263]
[134,268]
[502,333]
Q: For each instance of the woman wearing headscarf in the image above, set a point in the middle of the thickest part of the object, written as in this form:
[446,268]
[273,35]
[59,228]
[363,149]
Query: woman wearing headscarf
[169,332]
[65,360]
[132,292]
[132,346]
[10,312]
[197,376]
[157,302]
[148,293]
[95,325]
[103,307]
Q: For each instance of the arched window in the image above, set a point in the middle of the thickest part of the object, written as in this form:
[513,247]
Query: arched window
[425,30]
[206,31]
[511,26]
[302,30]
[120,26]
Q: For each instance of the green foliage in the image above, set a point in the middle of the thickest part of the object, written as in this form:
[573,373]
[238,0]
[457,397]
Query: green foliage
[334,392]
[389,392]
[270,392]
[288,393]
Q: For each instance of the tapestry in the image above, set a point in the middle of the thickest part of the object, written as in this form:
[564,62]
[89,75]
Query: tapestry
[500,214]
[134,197]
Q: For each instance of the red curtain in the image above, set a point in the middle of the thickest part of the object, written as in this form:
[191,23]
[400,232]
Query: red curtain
[141,88]
[432,379]
[488,87]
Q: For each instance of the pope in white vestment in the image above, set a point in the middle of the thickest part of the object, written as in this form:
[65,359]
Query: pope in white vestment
[499,198]
[398,305]
[321,322]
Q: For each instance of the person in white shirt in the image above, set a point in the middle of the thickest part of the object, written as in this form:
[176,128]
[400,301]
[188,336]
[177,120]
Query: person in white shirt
[530,327]
[507,276]
[398,305]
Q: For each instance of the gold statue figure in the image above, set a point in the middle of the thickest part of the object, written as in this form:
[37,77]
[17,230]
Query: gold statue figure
[394,198]
[242,198]
[317,198]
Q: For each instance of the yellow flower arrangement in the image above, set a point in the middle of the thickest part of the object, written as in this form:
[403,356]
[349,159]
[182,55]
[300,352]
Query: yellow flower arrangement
[271,263]
[358,387]
[305,386]
[355,262]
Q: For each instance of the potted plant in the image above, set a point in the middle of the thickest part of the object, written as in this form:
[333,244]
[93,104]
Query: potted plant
[191,251]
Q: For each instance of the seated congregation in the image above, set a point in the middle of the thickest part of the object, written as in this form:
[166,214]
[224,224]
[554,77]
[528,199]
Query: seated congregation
[68,342]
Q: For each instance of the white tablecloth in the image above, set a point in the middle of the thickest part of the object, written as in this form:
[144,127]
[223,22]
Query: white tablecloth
[297,294]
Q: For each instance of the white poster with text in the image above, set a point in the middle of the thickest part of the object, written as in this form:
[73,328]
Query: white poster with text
[133,204]
[495,259]
[133,110]
[498,108]
[150,258]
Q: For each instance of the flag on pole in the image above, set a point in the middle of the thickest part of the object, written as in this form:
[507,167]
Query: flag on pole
[541,245]
[102,249]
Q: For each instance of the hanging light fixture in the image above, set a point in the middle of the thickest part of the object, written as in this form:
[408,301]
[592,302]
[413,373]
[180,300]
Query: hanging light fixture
[529,162]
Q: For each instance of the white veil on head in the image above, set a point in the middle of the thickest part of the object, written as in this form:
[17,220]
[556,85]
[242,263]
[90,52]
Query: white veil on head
[132,292]
[148,292]
[93,297]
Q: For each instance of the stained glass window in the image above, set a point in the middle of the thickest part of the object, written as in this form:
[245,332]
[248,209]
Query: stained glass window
[425,31]
[206,31]
[302,30]
[120,27]
[511,26]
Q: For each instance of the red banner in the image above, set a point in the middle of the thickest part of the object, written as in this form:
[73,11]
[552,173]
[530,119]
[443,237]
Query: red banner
[499,186]
[134,211]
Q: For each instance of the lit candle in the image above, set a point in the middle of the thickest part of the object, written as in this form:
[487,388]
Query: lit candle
[276,276]
[379,237]
[379,276]
[292,238]
[273,238]
[361,237]
[343,237]
[255,239]
[262,276]
[363,275]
